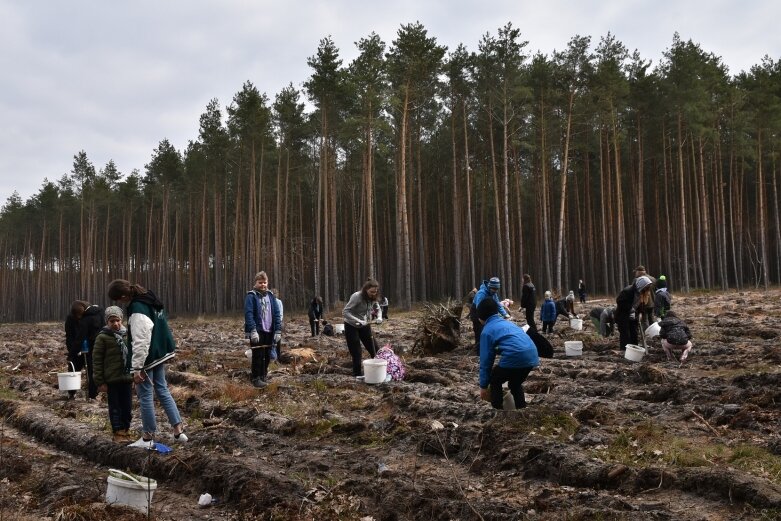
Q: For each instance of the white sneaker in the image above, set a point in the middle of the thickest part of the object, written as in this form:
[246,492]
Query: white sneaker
[181,438]
[144,444]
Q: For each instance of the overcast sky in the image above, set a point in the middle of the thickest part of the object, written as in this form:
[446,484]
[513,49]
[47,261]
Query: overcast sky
[115,78]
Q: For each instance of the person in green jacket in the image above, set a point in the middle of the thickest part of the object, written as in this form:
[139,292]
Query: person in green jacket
[111,370]
[153,345]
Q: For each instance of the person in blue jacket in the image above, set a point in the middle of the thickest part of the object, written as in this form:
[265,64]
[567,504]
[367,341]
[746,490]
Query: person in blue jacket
[489,289]
[262,326]
[548,313]
[517,356]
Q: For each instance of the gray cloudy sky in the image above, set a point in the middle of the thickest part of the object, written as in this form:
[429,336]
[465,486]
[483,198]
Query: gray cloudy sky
[115,78]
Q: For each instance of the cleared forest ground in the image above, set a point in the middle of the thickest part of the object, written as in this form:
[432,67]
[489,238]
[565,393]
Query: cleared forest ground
[603,437]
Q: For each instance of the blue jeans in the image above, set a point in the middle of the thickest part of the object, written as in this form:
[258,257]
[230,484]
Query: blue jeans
[155,378]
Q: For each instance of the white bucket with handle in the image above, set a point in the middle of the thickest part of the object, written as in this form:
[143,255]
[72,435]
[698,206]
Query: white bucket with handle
[576,324]
[634,353]
[69,381]
[375,370]
[133,491]
[338,329]
[653,330]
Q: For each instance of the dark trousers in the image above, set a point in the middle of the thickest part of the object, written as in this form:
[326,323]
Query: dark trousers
[79,361]
[530,318]
[355,337]
[514,376]
[384,312]
[120,405]
[627,331]
[261,356]
[547,327]
[478,327]
[314,326]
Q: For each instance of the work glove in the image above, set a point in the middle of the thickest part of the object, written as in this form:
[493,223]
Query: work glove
[360,323]
[254,338]
[569,315]
[658,320]
[378,320]
[277,337]
[632,315]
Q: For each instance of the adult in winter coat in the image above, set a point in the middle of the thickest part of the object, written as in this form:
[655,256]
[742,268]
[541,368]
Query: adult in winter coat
[315,315]
[529,300]
[566,306]
[517,352]
[360,311]
[262,326]
[662,298]
[603,319]
[634,300]
[112,371]
[82,326]
[489,289]
[582,291]
[675,334]
[152,346]
[548,313]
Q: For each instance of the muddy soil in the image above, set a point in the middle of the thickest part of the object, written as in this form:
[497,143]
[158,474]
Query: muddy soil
[602,438]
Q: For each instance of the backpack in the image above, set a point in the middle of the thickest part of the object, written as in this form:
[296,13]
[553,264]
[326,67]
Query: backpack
[395,365]
[328,330]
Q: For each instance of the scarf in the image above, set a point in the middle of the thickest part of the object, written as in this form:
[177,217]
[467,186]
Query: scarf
[118,336]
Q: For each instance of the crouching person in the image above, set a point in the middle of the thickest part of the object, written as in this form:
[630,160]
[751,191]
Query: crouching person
[675,334]
[517,356]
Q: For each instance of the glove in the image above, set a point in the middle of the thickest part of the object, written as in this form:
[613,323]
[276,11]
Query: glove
[360,323]
[254,338]
[507,317]
[277,337]
[378,320]
[569,315]
[632,315]
[658,320]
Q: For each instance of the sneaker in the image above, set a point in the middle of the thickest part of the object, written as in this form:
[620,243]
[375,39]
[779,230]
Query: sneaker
[144,444]
[181,438]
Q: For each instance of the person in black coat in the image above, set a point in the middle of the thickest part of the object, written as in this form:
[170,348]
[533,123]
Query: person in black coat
[634,300]
[82,326]
[529,300]
[315,314]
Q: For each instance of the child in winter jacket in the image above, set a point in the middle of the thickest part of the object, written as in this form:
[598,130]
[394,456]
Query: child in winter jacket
[675,334]
[112,372]
[548,313]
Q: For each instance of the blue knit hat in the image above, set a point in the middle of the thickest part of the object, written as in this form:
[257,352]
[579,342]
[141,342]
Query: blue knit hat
[494,283]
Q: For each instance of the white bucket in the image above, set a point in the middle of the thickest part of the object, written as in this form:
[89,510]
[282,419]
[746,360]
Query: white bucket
[573,348]
[653,330]
[132,491]
[576,324]
[634,353]
[70,381]
[338,329]
[375,370]
[508,404]
[248,353]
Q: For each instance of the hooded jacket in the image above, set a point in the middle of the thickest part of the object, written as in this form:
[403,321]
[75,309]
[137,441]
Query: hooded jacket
[111,365]
[150,337]
[503,338]
[483,293]
[87,327]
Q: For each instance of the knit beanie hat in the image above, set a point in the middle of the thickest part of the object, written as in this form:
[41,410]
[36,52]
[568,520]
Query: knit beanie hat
[494,283]
[113,311]
[548,294]
[487,308]
[571,295]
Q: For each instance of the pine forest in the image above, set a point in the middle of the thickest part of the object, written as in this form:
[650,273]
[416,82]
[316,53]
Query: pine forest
[429,169]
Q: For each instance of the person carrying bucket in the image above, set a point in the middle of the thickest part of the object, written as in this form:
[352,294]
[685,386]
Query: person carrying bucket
[82,326]
[517,356]
[634,301]
[360,311]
